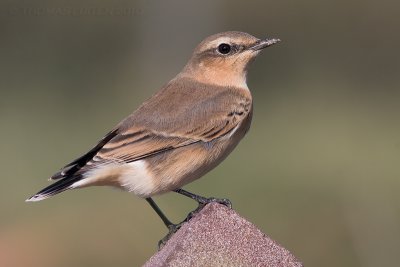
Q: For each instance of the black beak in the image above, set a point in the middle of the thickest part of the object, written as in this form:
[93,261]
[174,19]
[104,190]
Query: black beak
[261,44]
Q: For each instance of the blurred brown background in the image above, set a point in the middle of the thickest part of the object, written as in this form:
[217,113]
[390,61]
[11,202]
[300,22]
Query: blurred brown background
[319,170]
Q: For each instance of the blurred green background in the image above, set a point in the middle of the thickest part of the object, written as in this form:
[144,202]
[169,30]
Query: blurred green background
[318,172]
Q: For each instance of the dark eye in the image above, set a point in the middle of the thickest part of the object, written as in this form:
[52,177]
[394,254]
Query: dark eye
[224,48]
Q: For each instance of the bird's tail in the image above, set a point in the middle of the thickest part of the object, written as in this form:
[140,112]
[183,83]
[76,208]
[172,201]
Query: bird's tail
[57,187]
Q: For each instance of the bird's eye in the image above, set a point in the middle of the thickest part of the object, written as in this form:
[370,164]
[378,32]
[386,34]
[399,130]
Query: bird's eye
[224,49]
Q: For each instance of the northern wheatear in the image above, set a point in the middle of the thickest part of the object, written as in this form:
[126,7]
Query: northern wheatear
[180,133]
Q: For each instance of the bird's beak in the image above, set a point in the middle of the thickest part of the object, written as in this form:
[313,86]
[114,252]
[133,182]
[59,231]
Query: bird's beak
[261,44]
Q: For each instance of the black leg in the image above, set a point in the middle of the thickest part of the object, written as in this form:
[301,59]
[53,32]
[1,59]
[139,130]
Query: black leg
[172,228]
[203,200]
[164,218]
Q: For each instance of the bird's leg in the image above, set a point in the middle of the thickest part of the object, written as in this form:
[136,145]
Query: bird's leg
[172,228]
[203,200]
[164,218]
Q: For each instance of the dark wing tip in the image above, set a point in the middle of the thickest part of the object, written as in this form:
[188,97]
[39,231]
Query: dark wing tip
[77,164]
[57,175]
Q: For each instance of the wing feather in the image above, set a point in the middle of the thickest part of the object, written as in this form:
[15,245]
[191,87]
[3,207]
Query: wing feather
[165,123]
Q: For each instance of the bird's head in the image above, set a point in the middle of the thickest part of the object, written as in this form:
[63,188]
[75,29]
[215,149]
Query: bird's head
[223,58]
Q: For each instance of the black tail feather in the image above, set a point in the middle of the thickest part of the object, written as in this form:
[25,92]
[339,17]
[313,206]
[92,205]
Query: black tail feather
[55,188]
[77,164]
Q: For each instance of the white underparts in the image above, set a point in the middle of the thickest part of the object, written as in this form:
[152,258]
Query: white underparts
[138,179]
[133,177]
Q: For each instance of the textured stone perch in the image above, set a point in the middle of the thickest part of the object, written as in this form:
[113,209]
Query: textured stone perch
[218,236]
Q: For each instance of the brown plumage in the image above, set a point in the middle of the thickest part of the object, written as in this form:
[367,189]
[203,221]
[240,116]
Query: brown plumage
[181,132]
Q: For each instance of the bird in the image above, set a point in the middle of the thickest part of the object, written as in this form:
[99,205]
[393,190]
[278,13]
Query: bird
[180,133]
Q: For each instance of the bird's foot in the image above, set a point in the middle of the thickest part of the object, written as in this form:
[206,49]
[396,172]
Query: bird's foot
[172,229]
[204,201]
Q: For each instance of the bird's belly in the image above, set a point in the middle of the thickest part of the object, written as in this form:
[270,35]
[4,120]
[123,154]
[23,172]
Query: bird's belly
[181,166]
[164,172]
